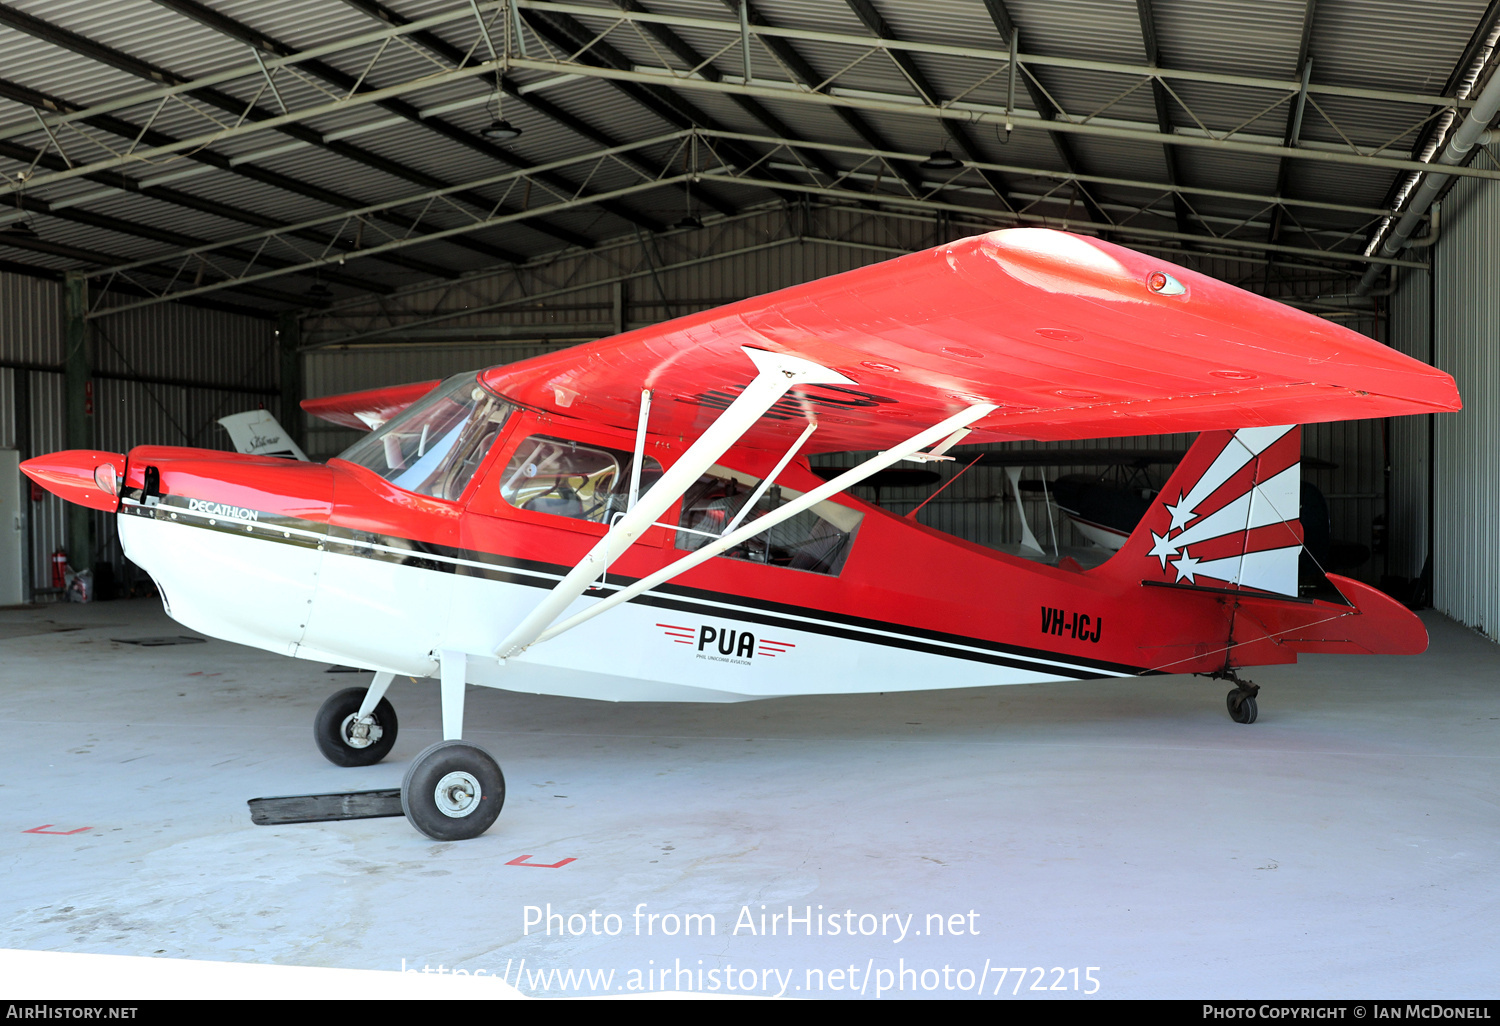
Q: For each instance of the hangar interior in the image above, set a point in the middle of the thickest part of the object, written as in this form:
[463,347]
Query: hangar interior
[209,206]
[218,207]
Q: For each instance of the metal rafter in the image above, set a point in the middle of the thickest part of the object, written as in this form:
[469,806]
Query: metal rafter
[586,49]
[1046,109]
[1050,118]
[989,58]
[1295,111]
[178,240]
[457,58]
[417,311]
[203,91]
[717,169]
[94,256]
[793,61]
[52,274]
[729,173]
[686,53]
[302,261]
[115,183]
[353,85]
[957,131]
[1163,103]
[1130,183]
[790,90]
[1427,141]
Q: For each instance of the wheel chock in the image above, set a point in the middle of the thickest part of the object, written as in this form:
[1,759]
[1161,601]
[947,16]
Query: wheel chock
[325,808]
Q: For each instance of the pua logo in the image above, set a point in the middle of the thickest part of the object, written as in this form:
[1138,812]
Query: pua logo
[723,643]
[730,642]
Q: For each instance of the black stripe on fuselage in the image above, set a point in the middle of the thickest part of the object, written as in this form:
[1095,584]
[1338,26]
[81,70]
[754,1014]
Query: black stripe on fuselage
[535,574]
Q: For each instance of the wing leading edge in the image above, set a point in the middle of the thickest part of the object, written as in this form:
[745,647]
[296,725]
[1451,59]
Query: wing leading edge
[1072,337]
[368,410]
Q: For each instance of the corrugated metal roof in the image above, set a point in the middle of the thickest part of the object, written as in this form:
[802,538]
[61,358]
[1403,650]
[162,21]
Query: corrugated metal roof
[1384,44]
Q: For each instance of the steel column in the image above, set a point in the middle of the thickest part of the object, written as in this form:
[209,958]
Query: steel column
[78,401]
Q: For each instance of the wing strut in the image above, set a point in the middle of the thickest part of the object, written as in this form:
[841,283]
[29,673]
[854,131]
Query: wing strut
[778,374]
[640,447]
[765,485]
[845,480]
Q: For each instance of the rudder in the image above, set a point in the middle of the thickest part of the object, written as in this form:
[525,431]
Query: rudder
[1226,518]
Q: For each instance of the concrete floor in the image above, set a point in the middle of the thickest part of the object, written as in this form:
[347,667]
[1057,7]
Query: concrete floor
[1343,846]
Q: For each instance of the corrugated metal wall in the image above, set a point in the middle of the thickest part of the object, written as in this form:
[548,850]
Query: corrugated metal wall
[1466,480]
[31,320]
[1355,487]
[1410,317]
[190,366]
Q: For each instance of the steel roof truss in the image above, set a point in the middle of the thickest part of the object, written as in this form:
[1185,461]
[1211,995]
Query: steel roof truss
[335,250]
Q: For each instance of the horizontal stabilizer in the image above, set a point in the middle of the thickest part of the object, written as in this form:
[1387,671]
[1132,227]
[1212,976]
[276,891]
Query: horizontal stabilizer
[1372,623]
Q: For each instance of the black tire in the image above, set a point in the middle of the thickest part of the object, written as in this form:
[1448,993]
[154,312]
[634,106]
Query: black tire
[331,723]
[1242,707]
[1248,710]
[472,791]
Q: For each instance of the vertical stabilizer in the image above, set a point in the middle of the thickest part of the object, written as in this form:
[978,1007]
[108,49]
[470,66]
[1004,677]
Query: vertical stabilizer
[1226,518]
[258,433]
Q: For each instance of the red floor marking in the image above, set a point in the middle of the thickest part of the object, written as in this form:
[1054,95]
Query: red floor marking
[59,833]
[530,865]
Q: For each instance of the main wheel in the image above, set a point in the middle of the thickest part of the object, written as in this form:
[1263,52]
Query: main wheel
[346,742]
[453,791]
[1242,708]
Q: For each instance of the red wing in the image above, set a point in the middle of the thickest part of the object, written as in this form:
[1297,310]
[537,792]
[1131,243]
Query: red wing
[365,411]
[1065,333]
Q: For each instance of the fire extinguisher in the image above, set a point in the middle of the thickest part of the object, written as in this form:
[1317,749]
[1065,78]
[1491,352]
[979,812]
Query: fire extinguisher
[59,569]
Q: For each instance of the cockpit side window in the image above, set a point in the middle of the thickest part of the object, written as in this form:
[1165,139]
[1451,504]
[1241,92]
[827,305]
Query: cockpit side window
[571,479]
[435,445]
[817,539]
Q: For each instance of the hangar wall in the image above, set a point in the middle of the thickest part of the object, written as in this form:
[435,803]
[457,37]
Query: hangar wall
[163,375]
[1466,479]
[1410,330]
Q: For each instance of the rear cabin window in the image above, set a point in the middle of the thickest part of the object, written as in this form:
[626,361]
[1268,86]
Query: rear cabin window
[572,479]
[817,539]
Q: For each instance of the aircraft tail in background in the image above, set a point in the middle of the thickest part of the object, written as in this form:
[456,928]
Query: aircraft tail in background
[258,433]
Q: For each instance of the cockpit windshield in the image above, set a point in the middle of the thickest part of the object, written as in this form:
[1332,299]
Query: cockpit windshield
[434,446]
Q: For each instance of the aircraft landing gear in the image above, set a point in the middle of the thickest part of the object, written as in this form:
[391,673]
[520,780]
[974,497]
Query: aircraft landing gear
[356,726]
[453,791]
[1240,701]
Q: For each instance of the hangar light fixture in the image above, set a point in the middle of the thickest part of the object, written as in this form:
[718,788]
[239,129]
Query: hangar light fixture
[499,130]
[941,160]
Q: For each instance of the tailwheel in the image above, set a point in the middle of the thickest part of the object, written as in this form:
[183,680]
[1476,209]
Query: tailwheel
[1241,703]
[347,739]
[453,791]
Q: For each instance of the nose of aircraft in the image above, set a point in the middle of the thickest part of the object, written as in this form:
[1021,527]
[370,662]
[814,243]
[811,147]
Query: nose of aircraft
[85,476]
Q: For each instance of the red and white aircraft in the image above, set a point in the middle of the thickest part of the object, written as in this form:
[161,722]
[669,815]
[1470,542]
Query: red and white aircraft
[635,519]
